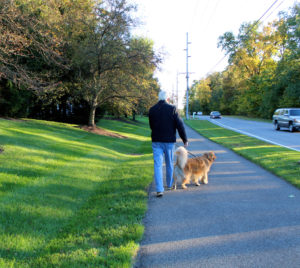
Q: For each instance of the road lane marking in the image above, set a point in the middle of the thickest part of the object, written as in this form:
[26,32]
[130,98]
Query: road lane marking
[251,135]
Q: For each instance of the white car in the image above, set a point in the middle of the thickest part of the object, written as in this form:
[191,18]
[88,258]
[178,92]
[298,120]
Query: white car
[215,114]
[287,118]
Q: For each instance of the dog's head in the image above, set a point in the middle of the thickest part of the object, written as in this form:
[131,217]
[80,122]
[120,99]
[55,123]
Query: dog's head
[210,156]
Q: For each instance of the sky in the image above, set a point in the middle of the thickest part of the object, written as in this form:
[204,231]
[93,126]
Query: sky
[167,23]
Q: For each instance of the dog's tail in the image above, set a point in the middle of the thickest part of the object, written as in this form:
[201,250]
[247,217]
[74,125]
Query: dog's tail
[182,157]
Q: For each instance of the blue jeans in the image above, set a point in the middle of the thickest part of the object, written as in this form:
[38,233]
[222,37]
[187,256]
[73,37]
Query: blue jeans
[161,149]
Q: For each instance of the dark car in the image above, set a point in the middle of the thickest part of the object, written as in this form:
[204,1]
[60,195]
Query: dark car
[287,118]
[215,114]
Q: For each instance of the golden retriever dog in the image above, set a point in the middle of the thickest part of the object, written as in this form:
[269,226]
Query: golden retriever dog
[195,168]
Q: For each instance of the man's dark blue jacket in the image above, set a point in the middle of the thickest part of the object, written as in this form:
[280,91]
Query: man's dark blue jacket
[164,120]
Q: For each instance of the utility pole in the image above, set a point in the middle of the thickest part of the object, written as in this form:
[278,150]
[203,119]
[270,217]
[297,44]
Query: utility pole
[177,91]
[177,98]
[187,76]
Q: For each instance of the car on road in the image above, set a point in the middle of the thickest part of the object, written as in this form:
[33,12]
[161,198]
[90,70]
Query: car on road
[197,115]
[215,114]
[287,118]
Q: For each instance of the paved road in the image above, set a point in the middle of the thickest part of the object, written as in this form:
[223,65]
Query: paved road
[261,130]
[244,217]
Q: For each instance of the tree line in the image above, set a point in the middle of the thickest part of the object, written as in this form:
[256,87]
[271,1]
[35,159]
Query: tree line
[74,60]
[263,71]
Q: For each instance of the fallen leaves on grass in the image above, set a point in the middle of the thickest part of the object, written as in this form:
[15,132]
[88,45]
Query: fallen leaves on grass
[102,132]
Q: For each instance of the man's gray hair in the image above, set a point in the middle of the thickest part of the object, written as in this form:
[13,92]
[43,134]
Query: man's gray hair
[162,95]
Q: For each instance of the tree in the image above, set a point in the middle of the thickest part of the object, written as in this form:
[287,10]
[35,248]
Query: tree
[263,71]
[287,81]
[254,54]
[110,59]
[200,95]
[216,85]
[29,55]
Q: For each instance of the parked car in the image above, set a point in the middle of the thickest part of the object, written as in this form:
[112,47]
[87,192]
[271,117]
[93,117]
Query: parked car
[197,115]
[215,114]
[287,118]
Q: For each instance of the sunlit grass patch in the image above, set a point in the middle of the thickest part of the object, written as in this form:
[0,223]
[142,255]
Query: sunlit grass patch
[69,198]
[279,160]
[249,118]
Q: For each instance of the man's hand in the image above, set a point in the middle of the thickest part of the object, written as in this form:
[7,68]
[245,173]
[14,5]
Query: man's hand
[186,144]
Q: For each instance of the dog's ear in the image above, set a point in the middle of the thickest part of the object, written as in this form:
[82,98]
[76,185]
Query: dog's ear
[206,155]
[212,155]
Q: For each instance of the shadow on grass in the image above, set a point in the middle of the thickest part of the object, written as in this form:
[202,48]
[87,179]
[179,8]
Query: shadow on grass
[71,140]
[80,193]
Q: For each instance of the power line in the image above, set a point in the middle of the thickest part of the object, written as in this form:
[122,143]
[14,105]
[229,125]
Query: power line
[263,15]
[196,10]
[256,22]
[274,9]
[212,14]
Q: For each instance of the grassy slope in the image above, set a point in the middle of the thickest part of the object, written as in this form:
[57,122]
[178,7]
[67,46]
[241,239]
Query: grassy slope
[71,198]
[280,161]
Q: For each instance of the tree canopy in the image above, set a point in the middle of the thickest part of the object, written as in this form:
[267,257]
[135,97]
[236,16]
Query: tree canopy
[74,55]
[263,71]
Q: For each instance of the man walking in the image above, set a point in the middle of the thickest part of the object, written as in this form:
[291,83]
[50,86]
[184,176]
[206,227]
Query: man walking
[164,120]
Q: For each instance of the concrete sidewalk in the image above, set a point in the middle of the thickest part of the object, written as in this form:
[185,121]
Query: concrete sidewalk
[244,217]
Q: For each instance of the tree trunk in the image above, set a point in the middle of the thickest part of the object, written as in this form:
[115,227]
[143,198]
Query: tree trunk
[92,115]
[64,109]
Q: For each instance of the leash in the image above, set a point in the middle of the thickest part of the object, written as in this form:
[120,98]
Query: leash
[192,154]
[187,151]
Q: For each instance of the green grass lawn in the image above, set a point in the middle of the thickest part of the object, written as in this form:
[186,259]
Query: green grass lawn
[69,198]
[249,118]
[279,160]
